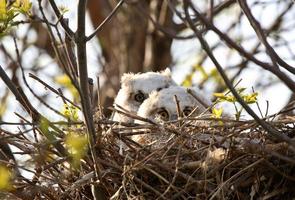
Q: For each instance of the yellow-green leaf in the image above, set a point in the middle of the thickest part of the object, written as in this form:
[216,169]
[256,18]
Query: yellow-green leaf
[63,9]
[223,97]
[77,146]
[214,74]
[71,112]
[44,126]
[240,90]
[3,106]
[65,81]
[219,95]
[250,98]
[23,6]
[217,112]
[201,69]
[2,6]
[5,179]
[230,98]
[3,11]
[188,81]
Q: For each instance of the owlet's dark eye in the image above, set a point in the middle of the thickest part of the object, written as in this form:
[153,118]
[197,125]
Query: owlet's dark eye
[187,111]
[163,114]
[139,97]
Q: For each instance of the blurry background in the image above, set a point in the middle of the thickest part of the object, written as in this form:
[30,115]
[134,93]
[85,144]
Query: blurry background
[148,35]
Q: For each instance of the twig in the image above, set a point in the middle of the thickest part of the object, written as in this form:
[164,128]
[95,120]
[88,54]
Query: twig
[281,75]
[197,98]
[257,28]
[179,112]
[19,62]
[235,176]
[131,115]
[19,94]
[53,90]
[108,18]
[99,97]
[61,19]
[206,48]
[36,116]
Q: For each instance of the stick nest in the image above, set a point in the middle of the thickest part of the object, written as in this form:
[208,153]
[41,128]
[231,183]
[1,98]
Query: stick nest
[187,159]
[190,159]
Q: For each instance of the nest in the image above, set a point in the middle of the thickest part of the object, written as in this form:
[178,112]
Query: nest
[185,159]
[192,160]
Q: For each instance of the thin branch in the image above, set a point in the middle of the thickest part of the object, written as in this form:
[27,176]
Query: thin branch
[272,131]
[80,40]
[36,116]
[82,64]
[19,62]
[61,19]
[53,90]
[108,18]
[257,28]
[267,66]
[55,46]
[19,95]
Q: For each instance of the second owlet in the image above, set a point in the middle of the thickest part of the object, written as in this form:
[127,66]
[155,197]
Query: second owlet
[135,88]
[161,105]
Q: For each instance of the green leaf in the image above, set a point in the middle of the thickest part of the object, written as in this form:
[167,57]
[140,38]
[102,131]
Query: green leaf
[250,98]
[188,81]
[65,81]
[77,147]
[5,179]
[217,112]
[71,112]
[22,6]
[44,126]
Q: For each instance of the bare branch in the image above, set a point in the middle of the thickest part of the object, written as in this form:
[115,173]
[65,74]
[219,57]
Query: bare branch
[281,75]
[257,28]
[53,90]
[272,131]
[80,40]
[109,17]
[61,19]
[36,116]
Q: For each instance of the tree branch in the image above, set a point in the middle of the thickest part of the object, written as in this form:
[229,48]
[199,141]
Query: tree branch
[36,116]
[108,18]
[61,19]
[259,32]
[80,40]
[282,76]
[272,131]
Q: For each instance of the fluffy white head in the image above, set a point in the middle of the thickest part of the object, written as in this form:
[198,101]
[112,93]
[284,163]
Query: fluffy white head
[162,105]
[135,88]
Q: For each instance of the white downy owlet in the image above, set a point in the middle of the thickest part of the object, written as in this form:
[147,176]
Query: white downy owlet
[161,106]
[135,88]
